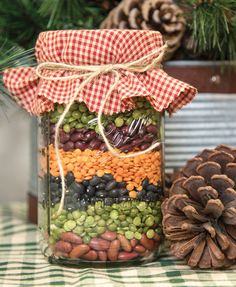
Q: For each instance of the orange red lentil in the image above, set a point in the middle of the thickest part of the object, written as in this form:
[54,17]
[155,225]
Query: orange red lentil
[86,164]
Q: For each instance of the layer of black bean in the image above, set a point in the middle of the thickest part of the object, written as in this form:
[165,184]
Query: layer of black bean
[80,195]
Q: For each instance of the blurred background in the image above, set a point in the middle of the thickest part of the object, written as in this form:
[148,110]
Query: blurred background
[202,51]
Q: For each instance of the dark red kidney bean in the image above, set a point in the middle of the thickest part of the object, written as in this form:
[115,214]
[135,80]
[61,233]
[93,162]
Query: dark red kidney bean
[148,138]
[127,140]
[64,138]
[152,129]
[145,146]
[137,142]
[60,145]
[81,145]
[81,130]
[110,128]
[103,147]
[126,148]
[102,255]
[99,244]
[89,136]
[52,129]
[68,146]
[125,130]
[142,131]
[76,137]
[127,255]
[94,144]
[63,246]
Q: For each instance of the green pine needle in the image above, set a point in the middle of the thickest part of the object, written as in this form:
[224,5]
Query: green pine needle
[213,27]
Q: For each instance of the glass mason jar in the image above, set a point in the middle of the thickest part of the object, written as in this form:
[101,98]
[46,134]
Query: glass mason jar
[111,210]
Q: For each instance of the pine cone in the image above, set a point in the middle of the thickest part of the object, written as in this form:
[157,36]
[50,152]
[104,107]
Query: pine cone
[199,217]
[107,4]
[160,15]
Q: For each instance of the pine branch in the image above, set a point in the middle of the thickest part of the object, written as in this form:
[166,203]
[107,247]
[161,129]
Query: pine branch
[12,56]
[64,14]
[213,27]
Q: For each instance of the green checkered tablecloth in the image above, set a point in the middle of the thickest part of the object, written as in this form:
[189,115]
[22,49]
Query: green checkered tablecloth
[22,264]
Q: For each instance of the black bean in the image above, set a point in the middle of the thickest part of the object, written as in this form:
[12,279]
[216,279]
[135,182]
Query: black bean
[114,193]
[111,185]
[86,183]
[70,178]
[108,201]
[141,194]
[70,207]
[83,204]
[86,197]
[108,177]
[152,187]
[122,191]
[53,186]
[151,196]
[77,187]
[121,184]
[95,180]
[145,183]
[100,186]
[101,194]
[90,191]
[68,199]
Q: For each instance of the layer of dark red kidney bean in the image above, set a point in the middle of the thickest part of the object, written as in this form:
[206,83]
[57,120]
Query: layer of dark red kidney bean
[110,246]
[126,138]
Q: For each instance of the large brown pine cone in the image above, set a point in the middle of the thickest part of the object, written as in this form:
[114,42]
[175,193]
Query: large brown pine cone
[160,15]
[199,217]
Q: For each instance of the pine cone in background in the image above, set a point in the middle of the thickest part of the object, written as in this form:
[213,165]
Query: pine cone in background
[159,15]
[107,4]
[199,217]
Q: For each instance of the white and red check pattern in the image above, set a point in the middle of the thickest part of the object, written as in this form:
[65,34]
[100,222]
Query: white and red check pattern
[96,47]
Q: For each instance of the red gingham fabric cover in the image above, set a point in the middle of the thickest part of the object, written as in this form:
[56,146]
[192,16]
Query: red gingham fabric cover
[96,47]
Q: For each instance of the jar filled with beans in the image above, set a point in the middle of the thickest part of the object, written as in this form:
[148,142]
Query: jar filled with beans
[111,209]
[99,96]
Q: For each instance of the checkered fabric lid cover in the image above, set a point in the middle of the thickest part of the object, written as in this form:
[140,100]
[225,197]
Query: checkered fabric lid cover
[96,47]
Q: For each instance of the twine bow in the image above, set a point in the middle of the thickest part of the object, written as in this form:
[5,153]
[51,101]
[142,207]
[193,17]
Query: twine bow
[89,73]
